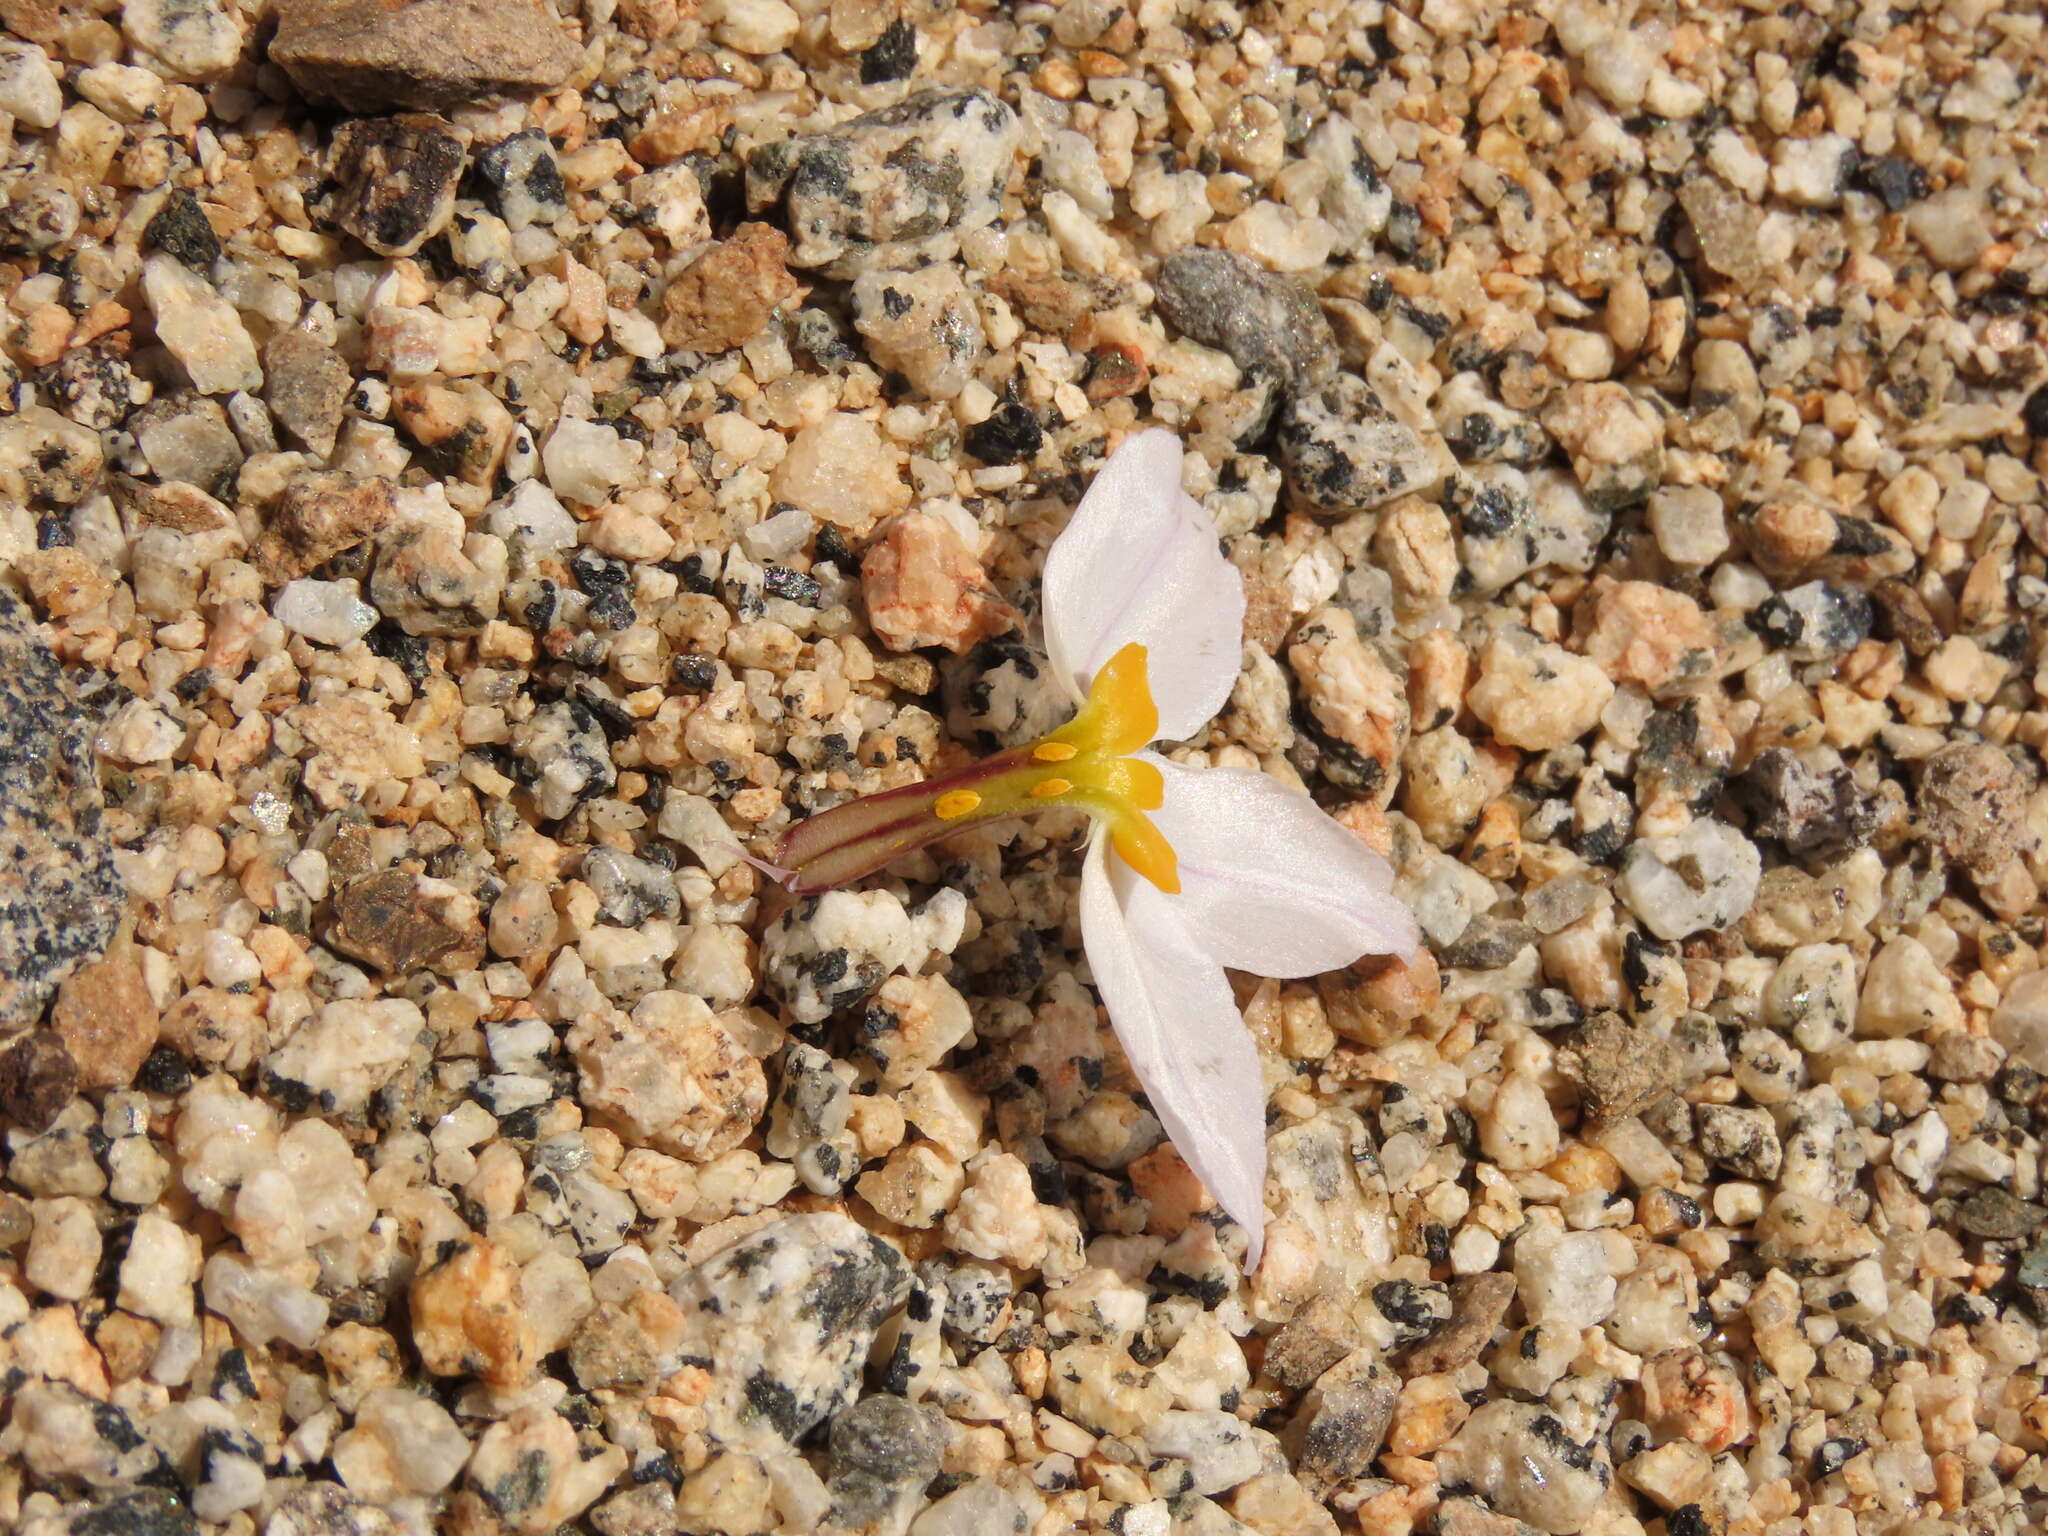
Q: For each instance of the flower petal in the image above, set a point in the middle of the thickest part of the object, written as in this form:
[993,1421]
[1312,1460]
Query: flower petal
[1172,1009]
[1269,884]
[1139,561]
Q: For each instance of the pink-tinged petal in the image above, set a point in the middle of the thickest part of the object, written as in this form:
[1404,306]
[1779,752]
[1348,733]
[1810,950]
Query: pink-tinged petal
[1139,561]
[1271,885]
[1172,1009]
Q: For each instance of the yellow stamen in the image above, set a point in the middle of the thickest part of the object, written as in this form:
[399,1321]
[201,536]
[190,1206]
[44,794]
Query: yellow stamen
[1104,780]
[1099,777]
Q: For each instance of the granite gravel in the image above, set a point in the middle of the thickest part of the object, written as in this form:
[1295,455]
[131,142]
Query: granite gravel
[470,471]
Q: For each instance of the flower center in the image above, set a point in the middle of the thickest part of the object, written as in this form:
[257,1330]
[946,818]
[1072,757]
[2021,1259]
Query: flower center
[1086,764]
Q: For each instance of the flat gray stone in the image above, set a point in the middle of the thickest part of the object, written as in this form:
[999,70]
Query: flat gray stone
[1268,322]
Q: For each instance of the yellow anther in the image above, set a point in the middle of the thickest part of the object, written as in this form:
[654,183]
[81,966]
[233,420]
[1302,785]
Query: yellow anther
[954,804]
[1054,752]
[1050,789]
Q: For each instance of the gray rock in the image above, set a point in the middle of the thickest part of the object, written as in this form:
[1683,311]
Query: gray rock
[1815,621]
[629,890]
[431,586]
[884,1450]
[1496,520]
[812,1101]
[60,1434]
[565,1192]
[786,1317]
[95,386]
[829,951]
[1815,810]
[231,1463]
[978,1297]
[62,1160]
[1344,452]
[187,440]
[1006,689]
[1480,430]
[1356,201]
[39,217]
[394,180]
[893,187]
[1269,323]
[923,324]
[526,184]
[1343,1421]
[44,457]
[808,1121]
[1615,440]
[1996,1214]
[323,1509]
[1488,943]
[370,57]
[149,1512]
[306,385]
[185,39]
[60,895]
[1740,1139]
[1411,1310]
[1680,759]
[564,749]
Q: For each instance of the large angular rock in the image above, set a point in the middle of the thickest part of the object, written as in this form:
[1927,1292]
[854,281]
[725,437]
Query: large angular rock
[1344,452]
[60,896]
[1269,323]
[892,188]
[200,329]
[785,1319]
[371,56]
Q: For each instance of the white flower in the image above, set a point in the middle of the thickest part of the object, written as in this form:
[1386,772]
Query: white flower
[1189,870]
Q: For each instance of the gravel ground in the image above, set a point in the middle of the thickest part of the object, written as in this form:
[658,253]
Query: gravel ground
[463,466]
